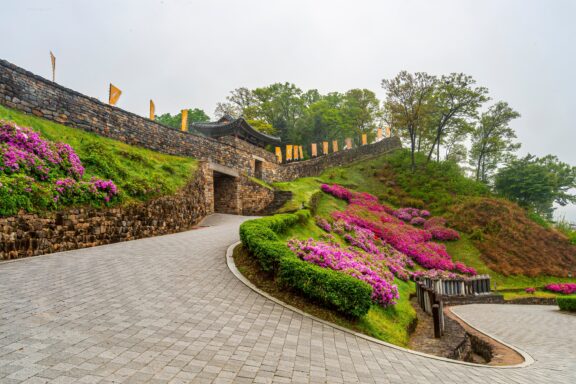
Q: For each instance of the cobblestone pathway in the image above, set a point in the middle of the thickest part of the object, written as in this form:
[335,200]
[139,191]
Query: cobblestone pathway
[167,309]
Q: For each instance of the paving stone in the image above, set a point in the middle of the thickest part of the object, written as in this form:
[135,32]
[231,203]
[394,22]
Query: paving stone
[167,309]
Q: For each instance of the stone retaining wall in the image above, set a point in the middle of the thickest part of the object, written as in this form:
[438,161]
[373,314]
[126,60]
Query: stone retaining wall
[24,91]
[316,166]
[36,234]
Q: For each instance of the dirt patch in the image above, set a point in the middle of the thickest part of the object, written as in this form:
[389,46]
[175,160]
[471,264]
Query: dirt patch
[510,242]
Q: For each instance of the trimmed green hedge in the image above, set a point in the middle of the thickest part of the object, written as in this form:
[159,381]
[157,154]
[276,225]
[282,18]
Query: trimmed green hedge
[567,303]
[342,292]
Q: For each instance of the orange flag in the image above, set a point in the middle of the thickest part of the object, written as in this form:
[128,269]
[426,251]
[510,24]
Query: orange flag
[325,148]
[113,94]
[184,126]
[279,154]
[364,139]
[152,110]
[314,150]
[388,132]
[379,133]
[295,148]
[335,146]
[301,152]
[288,152]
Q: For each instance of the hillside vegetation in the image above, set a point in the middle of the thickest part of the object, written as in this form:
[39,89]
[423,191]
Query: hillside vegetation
[136,174]
[504,239]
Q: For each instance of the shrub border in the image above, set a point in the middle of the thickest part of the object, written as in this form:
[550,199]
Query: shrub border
[567,304]
[333,289]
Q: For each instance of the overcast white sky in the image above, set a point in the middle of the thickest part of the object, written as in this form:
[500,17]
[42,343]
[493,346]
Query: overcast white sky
[192,53]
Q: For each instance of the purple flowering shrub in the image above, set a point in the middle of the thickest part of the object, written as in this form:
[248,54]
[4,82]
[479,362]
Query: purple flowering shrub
[37,173]
[388,226]
[350,262]
[563,288]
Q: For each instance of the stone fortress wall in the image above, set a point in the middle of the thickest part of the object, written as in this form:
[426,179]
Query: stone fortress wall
[225,180]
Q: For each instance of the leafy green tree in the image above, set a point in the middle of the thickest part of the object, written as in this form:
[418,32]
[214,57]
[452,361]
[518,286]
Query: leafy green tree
[322,120]
[537,183]
[360,112]
[280,105]
[262,126]
[408,105]
[455,100]
[175,121]
[493,140]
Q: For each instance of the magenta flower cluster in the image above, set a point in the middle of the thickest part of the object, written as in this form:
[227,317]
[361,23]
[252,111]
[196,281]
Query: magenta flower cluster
[407,239]
[563,288]
[351,262]
[52,167]
[530,290]
[412,215]
[23,150]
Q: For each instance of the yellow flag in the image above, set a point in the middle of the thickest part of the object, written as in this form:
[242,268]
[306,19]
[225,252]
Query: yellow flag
[334,145]
[325,148]
[288,152]
[379,133]
[314,150]
[348,143]
[364,139]
[53,60]
[184,126]
[279,154]
[301,152]
[113,95]
[295,148]
[388,132]
[152,110]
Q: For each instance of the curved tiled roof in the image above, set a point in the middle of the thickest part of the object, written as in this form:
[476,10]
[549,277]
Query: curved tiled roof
[229,126]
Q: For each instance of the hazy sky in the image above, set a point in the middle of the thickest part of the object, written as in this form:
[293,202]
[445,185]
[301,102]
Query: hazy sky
[192,53]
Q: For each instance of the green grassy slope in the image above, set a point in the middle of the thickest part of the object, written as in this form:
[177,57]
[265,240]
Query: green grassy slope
[438,187]
[139,173]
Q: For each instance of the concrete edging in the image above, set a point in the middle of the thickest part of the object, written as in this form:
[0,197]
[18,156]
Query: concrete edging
[528,360]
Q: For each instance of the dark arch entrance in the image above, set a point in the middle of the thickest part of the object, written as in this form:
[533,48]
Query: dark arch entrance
[226,193]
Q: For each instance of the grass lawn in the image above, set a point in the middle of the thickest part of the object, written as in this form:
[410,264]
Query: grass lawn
[139,173]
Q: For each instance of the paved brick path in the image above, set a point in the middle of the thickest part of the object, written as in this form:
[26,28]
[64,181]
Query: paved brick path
[167,309]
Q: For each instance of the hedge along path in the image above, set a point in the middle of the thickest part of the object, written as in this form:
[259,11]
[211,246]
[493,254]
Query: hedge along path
[346,294]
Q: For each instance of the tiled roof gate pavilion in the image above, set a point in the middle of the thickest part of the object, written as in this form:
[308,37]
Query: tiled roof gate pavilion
[229,126]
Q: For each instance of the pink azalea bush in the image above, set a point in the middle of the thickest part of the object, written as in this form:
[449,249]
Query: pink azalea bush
[351,262]
[386,225]
[563,288]
[37,172]
[530,290]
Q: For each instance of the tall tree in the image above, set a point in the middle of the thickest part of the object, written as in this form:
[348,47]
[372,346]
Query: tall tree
[361,109]
[492,140]
[454,98]
[408,104]
[537,183]
[280,105]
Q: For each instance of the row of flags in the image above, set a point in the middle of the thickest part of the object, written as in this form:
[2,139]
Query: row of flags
[293,152]
[296,152]
[114,94]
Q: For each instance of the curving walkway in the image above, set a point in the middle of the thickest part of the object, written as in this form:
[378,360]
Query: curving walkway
[167,309]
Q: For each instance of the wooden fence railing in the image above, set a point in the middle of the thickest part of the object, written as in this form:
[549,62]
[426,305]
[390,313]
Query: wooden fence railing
[430,293]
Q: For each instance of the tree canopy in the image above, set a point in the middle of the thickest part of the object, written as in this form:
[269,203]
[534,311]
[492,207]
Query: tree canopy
[537,183]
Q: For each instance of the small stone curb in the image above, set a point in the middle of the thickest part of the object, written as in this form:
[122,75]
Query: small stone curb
[528,360]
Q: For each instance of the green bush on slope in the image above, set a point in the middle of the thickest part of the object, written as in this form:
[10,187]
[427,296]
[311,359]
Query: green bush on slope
[344,293]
